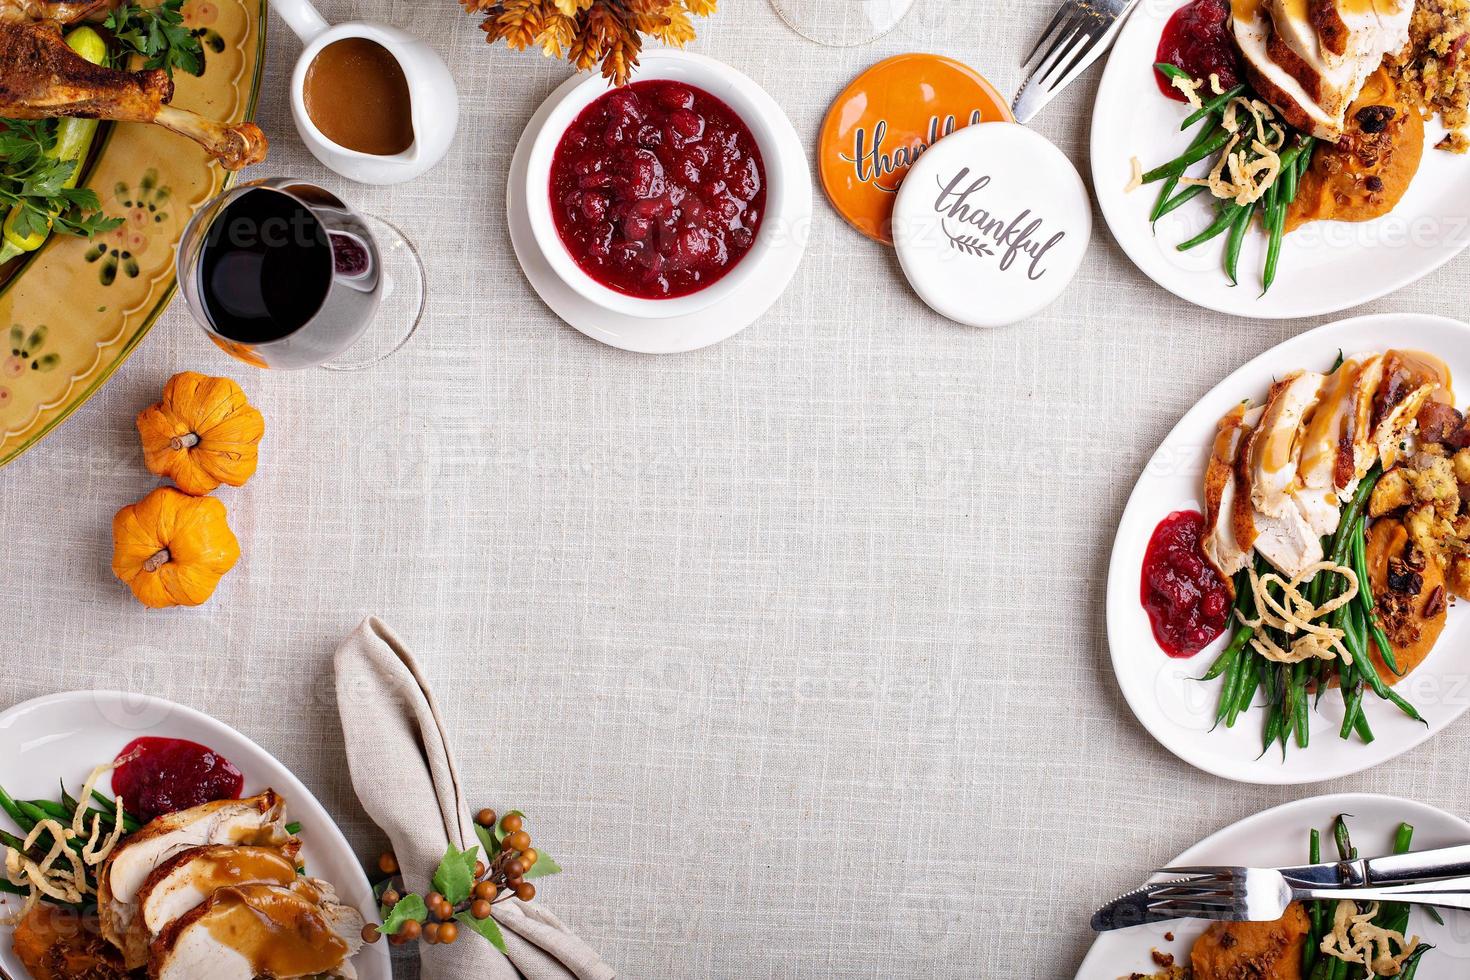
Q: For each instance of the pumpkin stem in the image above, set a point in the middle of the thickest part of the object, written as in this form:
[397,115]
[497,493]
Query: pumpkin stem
[157,561]
[187,441]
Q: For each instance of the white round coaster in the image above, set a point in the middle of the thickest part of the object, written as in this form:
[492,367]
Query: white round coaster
[671,335]
[991,224]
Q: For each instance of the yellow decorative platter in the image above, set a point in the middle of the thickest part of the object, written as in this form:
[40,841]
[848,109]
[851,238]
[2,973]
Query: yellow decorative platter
[77,308]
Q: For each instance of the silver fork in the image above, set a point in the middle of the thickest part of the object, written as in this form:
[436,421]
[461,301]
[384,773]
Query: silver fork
[1080,32]
[1255,895]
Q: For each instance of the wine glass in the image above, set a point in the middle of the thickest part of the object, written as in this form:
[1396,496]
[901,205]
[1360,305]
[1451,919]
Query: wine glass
[281,273]
[842,23]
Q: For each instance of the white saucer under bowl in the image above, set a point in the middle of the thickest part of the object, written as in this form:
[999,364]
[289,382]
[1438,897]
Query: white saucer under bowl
[768,278]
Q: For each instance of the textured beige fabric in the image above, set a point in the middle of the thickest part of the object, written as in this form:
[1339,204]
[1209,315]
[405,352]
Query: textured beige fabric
[402,765]
[792,649]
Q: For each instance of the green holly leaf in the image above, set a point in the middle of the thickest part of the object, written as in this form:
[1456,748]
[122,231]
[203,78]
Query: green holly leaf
[487,840]
[486,927]
[409,908]
[456,874]
[544,866]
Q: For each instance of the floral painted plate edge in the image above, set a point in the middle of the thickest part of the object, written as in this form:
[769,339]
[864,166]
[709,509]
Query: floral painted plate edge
[78,308]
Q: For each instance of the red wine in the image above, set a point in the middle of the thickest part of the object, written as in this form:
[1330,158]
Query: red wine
[265,269]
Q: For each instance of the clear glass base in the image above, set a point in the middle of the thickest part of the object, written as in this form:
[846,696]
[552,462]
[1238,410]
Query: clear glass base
[405,295]
[842,23]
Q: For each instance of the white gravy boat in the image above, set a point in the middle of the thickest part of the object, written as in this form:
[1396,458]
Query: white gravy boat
[434,99]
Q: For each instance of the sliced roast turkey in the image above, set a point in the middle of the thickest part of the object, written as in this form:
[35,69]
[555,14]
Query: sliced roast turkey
[257,821]
[189,878]
[261,930]
[1220,545]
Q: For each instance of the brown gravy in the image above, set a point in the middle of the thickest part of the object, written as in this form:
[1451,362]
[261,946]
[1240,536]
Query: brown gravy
[357,96]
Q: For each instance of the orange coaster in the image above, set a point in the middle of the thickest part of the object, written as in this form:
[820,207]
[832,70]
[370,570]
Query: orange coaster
[885,119]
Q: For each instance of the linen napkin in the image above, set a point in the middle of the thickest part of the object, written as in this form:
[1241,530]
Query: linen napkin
[405,776]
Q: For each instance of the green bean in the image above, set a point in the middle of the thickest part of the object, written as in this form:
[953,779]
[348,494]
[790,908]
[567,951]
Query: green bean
[1354,701]
[13,842]
[68,801]
[1212,107]
[1411,965]
[1236,240]
[1165,204]
[130,822]
[1176,167]
[1247,690]
[1273,726]
[1172,71]
[1343,838]
[1276,227]
[1230,691]
[1223,221]
[1364,730]
[1365,597]
[13,811]
[1353,513]
[1179,200]
[1232,649]
[1299,689]
[52,809]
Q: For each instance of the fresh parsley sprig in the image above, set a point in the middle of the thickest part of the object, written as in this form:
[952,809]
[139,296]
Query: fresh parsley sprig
[33,185]
[159,35]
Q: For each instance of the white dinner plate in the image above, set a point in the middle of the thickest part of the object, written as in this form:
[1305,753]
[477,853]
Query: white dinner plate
[63,736]
[1179,710]
[1278,838]
[1325,266]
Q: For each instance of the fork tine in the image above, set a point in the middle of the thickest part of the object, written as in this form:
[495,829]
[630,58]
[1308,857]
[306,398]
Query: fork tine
[1062,12]
[1090,38]
[1041,74]
[1209,889]
[1069,54]
[1170,910]
[1058,44]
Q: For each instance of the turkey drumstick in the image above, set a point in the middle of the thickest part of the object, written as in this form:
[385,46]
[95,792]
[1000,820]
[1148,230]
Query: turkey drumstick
[41,77]
[61,11]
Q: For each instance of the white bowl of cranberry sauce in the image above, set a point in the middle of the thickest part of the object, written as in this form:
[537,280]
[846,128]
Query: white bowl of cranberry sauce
[654,200]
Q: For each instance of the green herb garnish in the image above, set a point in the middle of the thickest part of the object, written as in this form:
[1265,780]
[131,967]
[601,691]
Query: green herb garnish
[33,185]
[159,35]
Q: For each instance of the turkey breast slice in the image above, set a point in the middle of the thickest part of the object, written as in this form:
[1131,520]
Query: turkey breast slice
[261,930]
[1276,447]
[1220,544]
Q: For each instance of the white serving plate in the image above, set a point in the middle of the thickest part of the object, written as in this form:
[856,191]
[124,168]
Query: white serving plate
[1278,838]
[63,736]
[1325,266]
[1178,710]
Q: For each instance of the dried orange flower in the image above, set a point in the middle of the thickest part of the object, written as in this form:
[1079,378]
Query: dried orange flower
[590,32]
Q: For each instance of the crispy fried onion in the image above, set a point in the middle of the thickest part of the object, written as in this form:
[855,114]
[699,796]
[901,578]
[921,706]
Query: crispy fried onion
[49,878]
[1355,939]
[1251,161]
[1135,179]
[1295,616]
[1189,87]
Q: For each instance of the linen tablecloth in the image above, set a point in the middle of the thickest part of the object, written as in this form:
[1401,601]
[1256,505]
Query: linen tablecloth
[791,649]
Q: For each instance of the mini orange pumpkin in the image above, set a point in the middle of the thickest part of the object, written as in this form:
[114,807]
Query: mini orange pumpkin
[203,433]
[172,549]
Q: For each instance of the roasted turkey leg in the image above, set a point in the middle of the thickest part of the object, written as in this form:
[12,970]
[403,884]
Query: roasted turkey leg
[61,11]
[41,78]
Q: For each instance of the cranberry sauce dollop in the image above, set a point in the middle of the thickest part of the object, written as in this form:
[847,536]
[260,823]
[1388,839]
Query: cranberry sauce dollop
[658,189]
[1200,39]
[1187,601]
[155,776]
